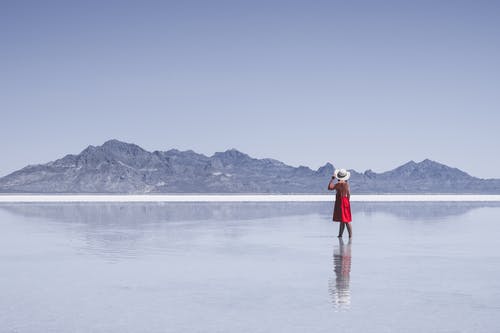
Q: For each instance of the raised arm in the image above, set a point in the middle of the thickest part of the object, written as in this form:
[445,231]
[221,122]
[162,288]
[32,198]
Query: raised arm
[331,184]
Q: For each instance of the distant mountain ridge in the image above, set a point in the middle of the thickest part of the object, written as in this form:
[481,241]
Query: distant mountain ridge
[119,167]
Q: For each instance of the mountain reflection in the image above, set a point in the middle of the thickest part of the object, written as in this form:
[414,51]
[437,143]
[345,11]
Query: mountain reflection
[130,213]
[339,288]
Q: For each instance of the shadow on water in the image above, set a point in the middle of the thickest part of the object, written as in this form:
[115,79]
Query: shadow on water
[338,287]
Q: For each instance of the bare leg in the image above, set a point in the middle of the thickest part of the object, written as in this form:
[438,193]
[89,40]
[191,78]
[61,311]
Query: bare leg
[341,229]
[349,229]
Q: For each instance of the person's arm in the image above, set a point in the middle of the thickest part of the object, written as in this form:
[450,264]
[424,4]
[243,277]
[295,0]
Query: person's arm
[348,192]
[331,184]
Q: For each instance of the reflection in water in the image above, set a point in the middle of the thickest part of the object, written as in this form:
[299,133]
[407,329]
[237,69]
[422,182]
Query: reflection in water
[420,211]
[130,213]
[339,289]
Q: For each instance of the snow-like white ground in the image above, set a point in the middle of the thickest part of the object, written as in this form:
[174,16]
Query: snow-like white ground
[248,267]
[244,198]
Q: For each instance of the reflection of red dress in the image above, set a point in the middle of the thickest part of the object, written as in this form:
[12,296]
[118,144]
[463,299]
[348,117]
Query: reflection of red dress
[342,208]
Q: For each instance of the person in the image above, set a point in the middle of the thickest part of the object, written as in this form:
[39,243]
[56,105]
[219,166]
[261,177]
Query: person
[342,207]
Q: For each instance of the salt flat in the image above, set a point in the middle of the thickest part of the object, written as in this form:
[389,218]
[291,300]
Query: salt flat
[12,198]
[248,267]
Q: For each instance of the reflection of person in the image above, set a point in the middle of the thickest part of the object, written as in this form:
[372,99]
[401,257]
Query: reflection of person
[342,208]
[340,291]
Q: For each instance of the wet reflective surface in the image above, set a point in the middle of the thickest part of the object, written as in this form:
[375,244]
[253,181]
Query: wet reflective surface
[339,288]
[249,267]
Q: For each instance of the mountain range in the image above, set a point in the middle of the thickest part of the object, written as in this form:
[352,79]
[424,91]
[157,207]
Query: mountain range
[120,167]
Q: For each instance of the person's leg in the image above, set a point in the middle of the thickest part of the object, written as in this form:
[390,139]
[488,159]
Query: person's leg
[341,229]
[349,229]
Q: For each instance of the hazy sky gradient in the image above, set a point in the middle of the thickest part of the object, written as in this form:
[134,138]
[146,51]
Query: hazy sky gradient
[361,84]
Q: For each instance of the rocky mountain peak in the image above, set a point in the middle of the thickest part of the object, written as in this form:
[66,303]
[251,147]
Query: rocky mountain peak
[231,156]
[116,146]
[429,163]
[120,167]
[326,170]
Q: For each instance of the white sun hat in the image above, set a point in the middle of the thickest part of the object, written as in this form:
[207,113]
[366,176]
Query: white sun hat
[342,174]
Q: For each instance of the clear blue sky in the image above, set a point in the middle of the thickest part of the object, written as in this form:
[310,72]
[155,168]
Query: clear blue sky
[362,84]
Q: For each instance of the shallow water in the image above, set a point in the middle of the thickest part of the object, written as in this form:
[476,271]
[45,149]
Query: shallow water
[249,267]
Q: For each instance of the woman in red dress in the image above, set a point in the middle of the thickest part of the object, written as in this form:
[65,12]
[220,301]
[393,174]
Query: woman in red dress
[342,208]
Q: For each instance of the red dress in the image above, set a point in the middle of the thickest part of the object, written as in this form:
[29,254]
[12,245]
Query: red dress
[342,207]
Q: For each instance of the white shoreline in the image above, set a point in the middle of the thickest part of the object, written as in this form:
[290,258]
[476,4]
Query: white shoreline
[61,198]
